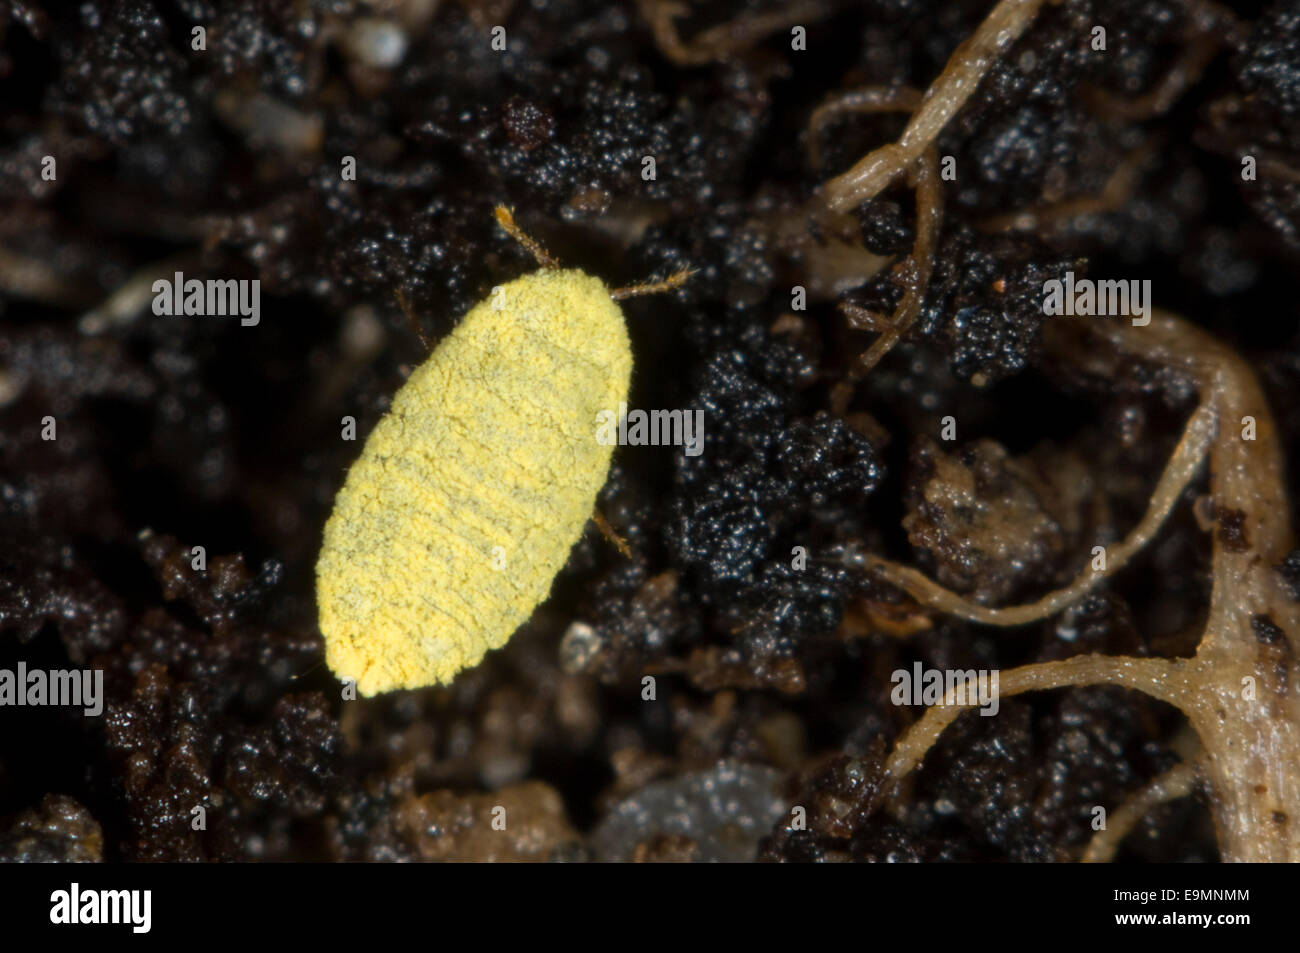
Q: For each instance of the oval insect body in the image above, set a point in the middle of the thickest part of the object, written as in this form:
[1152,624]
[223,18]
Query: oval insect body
[471,491]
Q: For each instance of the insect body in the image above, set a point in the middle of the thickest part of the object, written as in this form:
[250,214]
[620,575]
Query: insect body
[471,491]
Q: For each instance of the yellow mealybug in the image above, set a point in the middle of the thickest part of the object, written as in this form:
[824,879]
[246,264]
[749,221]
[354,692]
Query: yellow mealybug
[471,491]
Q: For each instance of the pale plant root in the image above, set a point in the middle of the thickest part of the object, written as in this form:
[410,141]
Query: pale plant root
[1117,192]
[870,99]
[1251,742]
[1160,678]
[1204,39]
[1178,782]
[726,40]
[965,68]
[913,152]
[1250,735]
[1203,43]
[917,267]
[1182,467]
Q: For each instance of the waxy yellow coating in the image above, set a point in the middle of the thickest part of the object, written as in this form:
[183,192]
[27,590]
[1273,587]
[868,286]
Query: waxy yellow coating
[490,443]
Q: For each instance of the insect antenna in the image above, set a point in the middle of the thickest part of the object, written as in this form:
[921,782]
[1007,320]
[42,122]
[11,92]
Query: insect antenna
[675,280]
[506,219]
